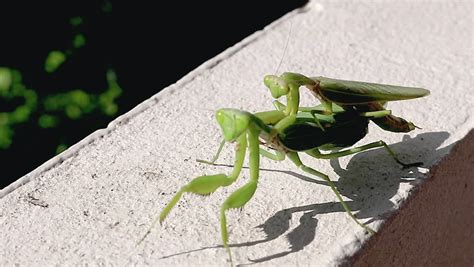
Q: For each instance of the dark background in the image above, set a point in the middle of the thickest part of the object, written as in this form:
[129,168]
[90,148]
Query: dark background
[148,45]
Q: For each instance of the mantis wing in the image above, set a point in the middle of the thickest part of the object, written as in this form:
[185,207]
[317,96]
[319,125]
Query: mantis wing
[352,92]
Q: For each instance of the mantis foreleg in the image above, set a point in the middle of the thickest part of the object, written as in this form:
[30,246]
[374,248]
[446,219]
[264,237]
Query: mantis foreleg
[207,184]
[242,195]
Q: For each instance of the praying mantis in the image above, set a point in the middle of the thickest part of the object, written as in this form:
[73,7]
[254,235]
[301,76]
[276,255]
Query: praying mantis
[337,123]
[370,97]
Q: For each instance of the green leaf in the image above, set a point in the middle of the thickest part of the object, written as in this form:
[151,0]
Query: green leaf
[54,60]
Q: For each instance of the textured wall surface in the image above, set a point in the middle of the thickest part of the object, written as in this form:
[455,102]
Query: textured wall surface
[435,226]
[92,203]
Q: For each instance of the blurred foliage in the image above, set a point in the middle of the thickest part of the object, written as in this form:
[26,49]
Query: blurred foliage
[60,148]
[72,104]
[75,103]
[54,60]
[12,88]
[75,21]
[79,41]
[48,111]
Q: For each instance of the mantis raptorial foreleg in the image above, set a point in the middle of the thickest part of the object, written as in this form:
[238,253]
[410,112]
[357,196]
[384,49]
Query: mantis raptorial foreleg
[293,101]
[285,122]
[281,107]
[319,113]
[242,195]
[278,105]
[317,154]
[294,157]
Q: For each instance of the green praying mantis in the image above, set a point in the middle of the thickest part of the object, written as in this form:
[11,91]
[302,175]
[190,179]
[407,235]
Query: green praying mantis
[337,123]
[370,97]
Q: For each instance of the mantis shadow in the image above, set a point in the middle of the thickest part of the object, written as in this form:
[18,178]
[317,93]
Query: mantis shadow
[370,180]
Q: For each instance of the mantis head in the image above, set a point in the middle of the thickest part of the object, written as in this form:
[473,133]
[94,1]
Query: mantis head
[233,122]
[280,86]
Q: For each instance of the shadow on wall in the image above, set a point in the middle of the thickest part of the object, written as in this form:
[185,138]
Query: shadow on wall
[370,180]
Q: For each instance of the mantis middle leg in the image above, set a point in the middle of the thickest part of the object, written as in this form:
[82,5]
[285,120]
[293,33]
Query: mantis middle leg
[294,157]
[317,154]
[216,156]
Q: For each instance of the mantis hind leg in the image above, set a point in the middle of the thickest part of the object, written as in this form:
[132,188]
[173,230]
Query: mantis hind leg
[293,156]
[317,154]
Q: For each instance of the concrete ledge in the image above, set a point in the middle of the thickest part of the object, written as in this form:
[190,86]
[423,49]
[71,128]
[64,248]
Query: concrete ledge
[435,226]
[91,204]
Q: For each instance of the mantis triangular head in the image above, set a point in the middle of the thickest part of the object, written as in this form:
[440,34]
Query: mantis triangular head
[280,86]
[233,122]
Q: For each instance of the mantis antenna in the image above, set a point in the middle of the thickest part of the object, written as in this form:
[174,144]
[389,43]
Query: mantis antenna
[286,46]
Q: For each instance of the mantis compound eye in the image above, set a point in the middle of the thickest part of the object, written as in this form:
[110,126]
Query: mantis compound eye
[278,87]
